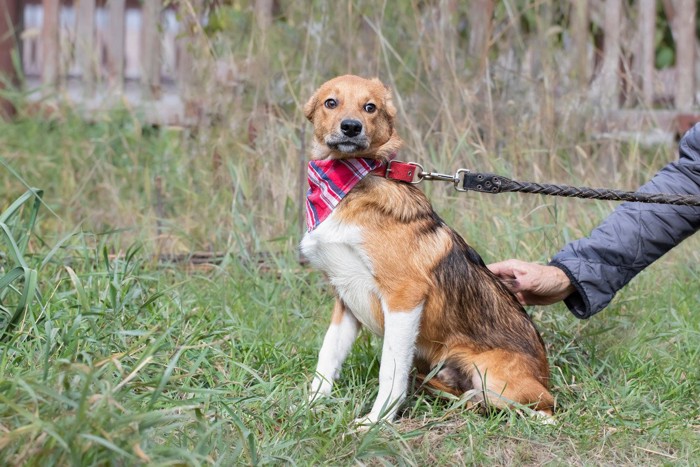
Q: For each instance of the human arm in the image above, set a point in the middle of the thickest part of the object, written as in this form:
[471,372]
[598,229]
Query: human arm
[633,236]
[588,272]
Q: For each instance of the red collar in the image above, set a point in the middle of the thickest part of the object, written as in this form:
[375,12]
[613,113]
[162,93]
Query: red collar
[396,170]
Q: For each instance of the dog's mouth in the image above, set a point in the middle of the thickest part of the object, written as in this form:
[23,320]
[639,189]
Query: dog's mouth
[347,145]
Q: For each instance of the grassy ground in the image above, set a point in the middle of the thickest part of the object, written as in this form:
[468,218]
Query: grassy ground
[131,363]
[128,359]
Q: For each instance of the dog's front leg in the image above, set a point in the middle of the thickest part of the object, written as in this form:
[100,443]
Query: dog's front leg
[400,332]
[336,346]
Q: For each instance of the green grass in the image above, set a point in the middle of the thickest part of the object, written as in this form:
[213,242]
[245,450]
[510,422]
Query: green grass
[125,359]
[129,363]
[128,360]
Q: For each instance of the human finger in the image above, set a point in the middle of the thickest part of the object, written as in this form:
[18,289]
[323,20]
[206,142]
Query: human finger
[503,268]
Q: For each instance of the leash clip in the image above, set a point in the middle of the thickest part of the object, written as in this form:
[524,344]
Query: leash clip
[460,178]
[438,176]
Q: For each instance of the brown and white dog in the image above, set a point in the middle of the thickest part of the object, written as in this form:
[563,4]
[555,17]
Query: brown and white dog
[398,270]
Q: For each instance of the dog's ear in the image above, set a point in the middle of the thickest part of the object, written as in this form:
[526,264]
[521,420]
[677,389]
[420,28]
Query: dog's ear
[310,107]
[389,102]
[389,105]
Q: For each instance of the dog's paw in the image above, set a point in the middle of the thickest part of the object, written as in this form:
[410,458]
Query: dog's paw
[319,389]
[363,424]
[545,418]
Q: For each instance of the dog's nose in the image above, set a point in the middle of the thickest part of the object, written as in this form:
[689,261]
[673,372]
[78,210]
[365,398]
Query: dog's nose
[351,128]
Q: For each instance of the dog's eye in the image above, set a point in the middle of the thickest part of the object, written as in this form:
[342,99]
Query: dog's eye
[331,103]
[369,108]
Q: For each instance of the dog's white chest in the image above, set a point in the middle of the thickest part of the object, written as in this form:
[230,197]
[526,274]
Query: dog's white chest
[336,249]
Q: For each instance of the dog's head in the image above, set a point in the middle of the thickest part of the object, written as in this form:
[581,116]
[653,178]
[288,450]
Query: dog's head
[352,117]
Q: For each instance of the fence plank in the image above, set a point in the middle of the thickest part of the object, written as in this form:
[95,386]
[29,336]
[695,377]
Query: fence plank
[189,44]
[581,40]
[480,20]
[50,44]
[151,52]
[85,43]
[645,30]
[607,88]
[263,13]
[684,25]
[115,43]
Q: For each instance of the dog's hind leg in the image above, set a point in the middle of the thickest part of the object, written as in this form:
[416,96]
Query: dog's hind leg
[436,384]
[336,346]
[400,333]
[505,378]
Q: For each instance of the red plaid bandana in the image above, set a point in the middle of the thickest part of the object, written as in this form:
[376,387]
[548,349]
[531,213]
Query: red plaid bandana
[330,181]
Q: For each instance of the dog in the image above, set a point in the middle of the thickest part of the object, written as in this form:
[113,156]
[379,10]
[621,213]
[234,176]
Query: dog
[400,271]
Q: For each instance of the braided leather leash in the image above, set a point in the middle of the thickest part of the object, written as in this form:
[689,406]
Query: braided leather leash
[492,183]
[466,180]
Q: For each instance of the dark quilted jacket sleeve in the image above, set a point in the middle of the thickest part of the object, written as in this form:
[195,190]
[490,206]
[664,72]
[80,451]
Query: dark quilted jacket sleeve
[633,236]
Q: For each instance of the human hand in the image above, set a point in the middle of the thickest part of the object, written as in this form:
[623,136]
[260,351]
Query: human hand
[532,283]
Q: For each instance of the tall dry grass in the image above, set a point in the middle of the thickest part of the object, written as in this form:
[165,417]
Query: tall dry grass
[236,180]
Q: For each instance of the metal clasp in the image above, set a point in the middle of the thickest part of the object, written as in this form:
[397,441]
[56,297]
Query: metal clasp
[459,179]
[438,176]
[419,174]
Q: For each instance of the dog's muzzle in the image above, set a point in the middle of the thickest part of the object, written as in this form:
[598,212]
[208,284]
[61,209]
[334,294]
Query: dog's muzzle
[348,144]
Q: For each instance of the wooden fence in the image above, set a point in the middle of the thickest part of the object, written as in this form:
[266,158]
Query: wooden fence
[91,48]
[619,73]
[95,41]
[107,43]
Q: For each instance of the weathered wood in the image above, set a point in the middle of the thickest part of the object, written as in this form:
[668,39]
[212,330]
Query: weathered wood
[645,61]
[151,52]
[446,42]
[607,14]
[189,45]
[263,13]
[86,52]
[9,25]
[581,40]
[480,25]
[684,27]
[608,86]
[50,44]
[438,21]
[115,43]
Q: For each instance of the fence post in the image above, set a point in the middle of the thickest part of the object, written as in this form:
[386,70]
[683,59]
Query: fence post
[581,39]
[9,23]
[684,25]
[609,85]
[150,48]
[50,45]
[263,13]
[115,43]
[480,20]
[646,31]
[190,41]
[85,43]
